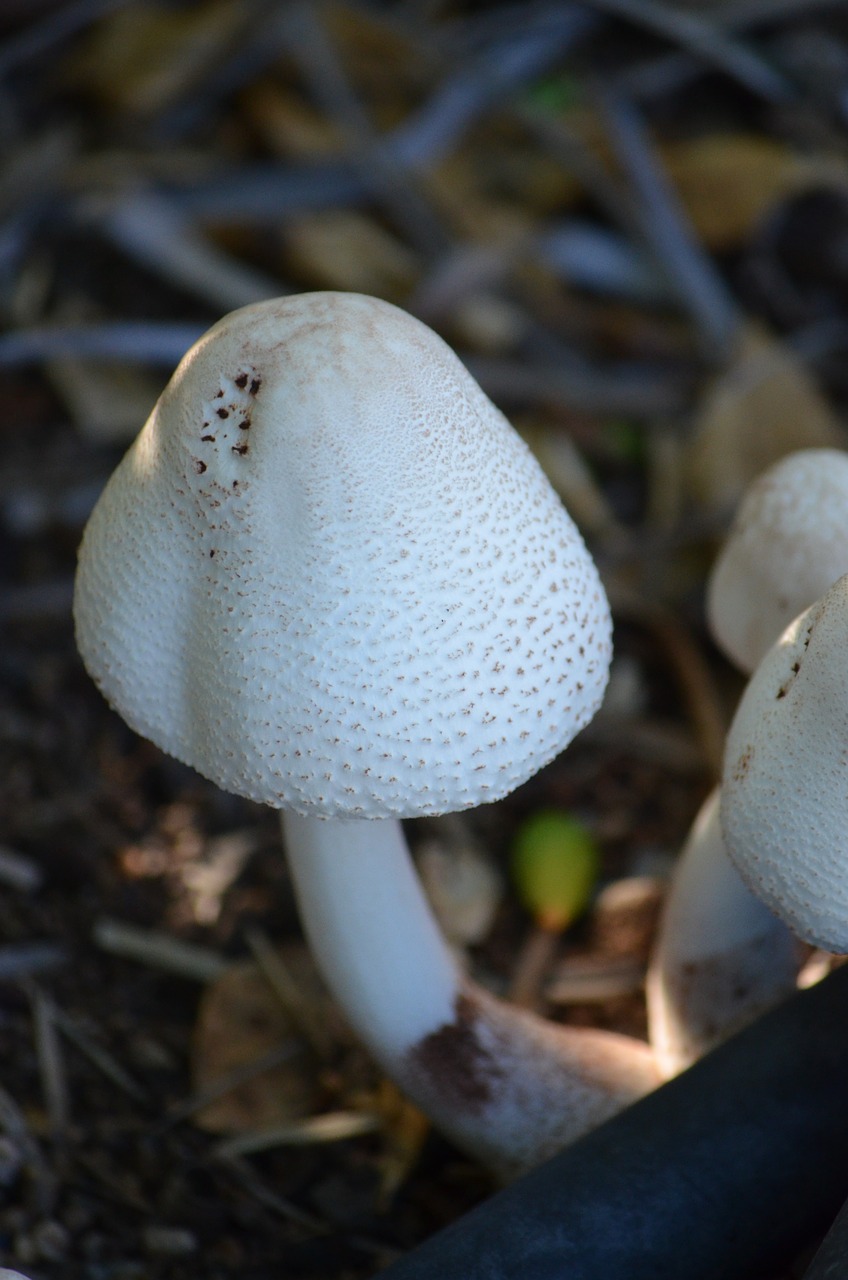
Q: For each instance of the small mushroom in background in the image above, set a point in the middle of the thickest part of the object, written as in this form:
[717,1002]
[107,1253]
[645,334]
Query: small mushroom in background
[331,577]
[784,798]
[788,544]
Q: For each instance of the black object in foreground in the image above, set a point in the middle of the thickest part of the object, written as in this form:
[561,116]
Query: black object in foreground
[831,1260]
[721,1174]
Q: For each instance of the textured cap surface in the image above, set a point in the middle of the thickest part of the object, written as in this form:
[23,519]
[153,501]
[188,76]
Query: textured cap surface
[784,807]
[331,577]
[788,544]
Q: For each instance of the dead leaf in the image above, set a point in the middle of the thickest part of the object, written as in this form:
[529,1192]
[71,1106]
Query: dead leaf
[241,1021]
[289,125]
[385,67]
[486,323]
[109,403]
[343,249]
[764,405]
[404,1131]
[570,475]
[729,182]
[312,1131]
[625,914]
[141,58]
[479,209]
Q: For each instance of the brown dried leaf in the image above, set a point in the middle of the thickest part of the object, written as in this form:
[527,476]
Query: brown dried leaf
[108,402]
[763,405]
[728,182]
[475,206]
[288,124]
[404,1129]
[570,475]
[384,65]
[343,249]
[241,1021]
[624,917]
[311,1131]
[142,57]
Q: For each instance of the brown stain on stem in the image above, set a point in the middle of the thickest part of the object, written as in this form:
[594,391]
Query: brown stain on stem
[453,1060]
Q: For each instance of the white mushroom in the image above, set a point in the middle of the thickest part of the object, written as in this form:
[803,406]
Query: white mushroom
[785,791]
[330,576]
[721,956]
[788,544]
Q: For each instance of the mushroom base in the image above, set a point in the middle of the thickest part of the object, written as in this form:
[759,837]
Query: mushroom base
[505,1085]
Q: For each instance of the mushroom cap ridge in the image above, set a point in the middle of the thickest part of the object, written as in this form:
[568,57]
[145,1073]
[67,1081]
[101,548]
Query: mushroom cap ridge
[784,806]
[330,576]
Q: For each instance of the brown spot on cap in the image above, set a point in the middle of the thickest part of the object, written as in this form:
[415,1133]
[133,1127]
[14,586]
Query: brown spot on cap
[743,764]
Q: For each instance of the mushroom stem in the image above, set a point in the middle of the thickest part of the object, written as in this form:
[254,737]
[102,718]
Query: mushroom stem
[721,958]
[371,929]
[505,1085]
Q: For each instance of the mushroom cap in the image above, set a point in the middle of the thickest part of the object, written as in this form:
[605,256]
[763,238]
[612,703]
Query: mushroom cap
[787,545]
[784,807]
[330,576]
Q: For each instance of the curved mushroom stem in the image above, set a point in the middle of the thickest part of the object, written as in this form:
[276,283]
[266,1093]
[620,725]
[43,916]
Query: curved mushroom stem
[721,958]
[505,1085]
